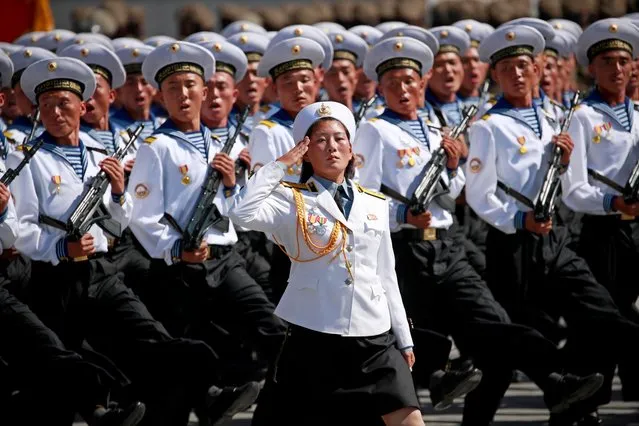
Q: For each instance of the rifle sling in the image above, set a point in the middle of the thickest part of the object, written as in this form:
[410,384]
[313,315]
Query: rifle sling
[606,181]
[109,226]
[172,222]
[447,203]
[393,194]
[516,194]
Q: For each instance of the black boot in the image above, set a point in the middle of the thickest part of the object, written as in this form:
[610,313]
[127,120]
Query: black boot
[565,390]
[115,416]
[224,403]
[591,419]
[445,386]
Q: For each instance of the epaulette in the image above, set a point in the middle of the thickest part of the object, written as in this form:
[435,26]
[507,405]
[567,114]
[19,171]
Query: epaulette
[268,123]
[306,186]
[492,101]
[100,150]
[265,108]
[373,119]
[7,134]
[150,140]
[485,117]
[370,192]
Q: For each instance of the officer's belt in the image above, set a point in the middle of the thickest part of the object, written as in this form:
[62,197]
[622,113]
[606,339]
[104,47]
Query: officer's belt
[516,194]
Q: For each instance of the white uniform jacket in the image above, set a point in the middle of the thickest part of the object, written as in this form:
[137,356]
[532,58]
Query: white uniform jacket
[18,132]
[8,221]
[167,179]
[604,145]
[270,140]
[390,155]
[321,295]
[48,185]
[504,148]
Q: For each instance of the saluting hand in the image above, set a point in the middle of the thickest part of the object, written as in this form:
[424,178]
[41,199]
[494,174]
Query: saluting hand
[421,221]
[296,154]
[5,194]
[225,165]
[540,228]
[564,141]
[81,248]
[196,256]
[115,172]
[453,152]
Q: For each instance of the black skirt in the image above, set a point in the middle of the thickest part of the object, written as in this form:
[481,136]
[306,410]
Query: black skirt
[347,379]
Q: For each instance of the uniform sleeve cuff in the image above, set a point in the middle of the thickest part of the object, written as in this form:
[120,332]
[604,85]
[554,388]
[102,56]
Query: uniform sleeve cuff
[281,165]
[402,214]
[452,173]
[520,218]
[176,251]
[607,203]
[230,191]
[118,198]
[407,349]
[61,249]
[3,215]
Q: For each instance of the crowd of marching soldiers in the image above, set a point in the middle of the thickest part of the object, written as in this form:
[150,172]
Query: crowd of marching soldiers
[143,317]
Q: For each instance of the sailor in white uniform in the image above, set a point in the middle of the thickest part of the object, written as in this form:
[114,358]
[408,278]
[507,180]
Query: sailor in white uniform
[342,299]
[530,269]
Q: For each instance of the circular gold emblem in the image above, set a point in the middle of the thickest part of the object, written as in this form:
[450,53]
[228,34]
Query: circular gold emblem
[296,49]
[52,66]
[217,47]
[298,31]
[135,53]
[175,47]
[324,110]
[444,34]
[243,39]
[398,46]
[510,36]
[28,53]
[613,28]
[84,52]
[469,28]
[339,38]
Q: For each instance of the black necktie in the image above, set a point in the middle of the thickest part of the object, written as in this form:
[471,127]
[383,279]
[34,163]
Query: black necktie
[339,193]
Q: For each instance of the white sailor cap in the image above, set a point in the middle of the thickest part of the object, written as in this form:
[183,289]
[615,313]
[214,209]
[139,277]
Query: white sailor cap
[418,33]
[607,34]
[347,45]
[29,39]
[203,37]
[6,70]
[319,110]
[540,25]
[24,57]
[228,58]
[9,48]
[371,35]
[566,25]
[68,74]
[158,40]
[329,27]
[477,31]
[509,41]
[53,39]
[87,38]
[123,42]
[397,52]
[132,58]
[385,27]
[101,60]
[271,34]
[176,57]
[451,40]
[562,45]
[312,33]
[242,27]
[290,54]
[252,44]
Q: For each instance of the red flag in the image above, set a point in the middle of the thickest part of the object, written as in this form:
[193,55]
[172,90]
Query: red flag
[25,16]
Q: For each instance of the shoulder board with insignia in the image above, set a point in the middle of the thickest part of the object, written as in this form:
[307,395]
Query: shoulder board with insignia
[268,123]
[492,101]
[100,150]
[265,108]
[485,117]
[372,120]
[370,192]
[150,140]
[9,135]
[304,186]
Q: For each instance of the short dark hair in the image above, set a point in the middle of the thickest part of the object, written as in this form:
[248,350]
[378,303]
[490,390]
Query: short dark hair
[307,168]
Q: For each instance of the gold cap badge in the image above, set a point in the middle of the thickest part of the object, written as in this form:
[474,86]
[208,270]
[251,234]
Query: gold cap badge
[510,36]
[135,53]
[443,34]
[339,38]
[613,28]
[52,66]
[469,28]
[244,27]
[217,47]
[324,110]
[28,53]
[296,49]
[175,47]
[84,52]
[243,39]
[298,32]
[398,46]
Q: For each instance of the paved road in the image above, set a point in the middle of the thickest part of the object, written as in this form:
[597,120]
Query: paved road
[523,405]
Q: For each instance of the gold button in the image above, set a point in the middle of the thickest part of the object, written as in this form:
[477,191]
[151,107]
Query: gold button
[510,36]
[298,32]
[444,34]
[84,52]
[135,53]
[217,47]
[52,66]
[398,46]
[469,28]
[349,248]
[175,47]
[613,28]
[296,49]
[243,39]
[339,38]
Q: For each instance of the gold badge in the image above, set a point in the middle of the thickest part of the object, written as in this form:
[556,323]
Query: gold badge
[217,47]
[298,32]
[175,47]
[243,39]
[475,165]
[186,179]
[84,52]
[411,161]
[359,161]
[523,150]
[596,139]
[522,140]
[339,38]
[135,52]
[141,191]
[398,46]
[613,28]
[469,28]
[57,181]
[324,110]
[28,53]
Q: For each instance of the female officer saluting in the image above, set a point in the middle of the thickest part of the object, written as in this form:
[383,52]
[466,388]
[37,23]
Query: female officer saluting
[342,299]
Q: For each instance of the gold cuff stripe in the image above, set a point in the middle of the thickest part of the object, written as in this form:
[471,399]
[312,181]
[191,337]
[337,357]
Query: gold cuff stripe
[345,54]
[609,44]
[60,84]
[511,51]
[398,63]
[177,67]
[297,64]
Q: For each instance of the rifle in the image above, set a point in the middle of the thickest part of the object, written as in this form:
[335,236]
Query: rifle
[483,93]
[551,185]
[206,214]
[240,166]
[11,174]
[361,112]
[91,210]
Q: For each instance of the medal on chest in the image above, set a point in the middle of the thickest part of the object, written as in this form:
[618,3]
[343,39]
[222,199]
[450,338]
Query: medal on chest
[601,130]
[184,170]
[56,181]
[295,169]
[316,223]
[408,157]
[521,140]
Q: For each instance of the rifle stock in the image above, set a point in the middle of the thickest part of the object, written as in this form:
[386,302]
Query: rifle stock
[8,177]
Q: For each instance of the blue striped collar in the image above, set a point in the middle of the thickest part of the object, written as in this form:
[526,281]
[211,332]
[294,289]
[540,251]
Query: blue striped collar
[595,101]
[168,128]
[503,107]
[282,117]
[52,146]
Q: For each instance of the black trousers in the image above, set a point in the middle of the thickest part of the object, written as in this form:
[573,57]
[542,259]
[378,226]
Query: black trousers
[280,270]
[251,246]
[471,231]
[531,274]
[86,300]
[217,301]
[442,292]
[131,260]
